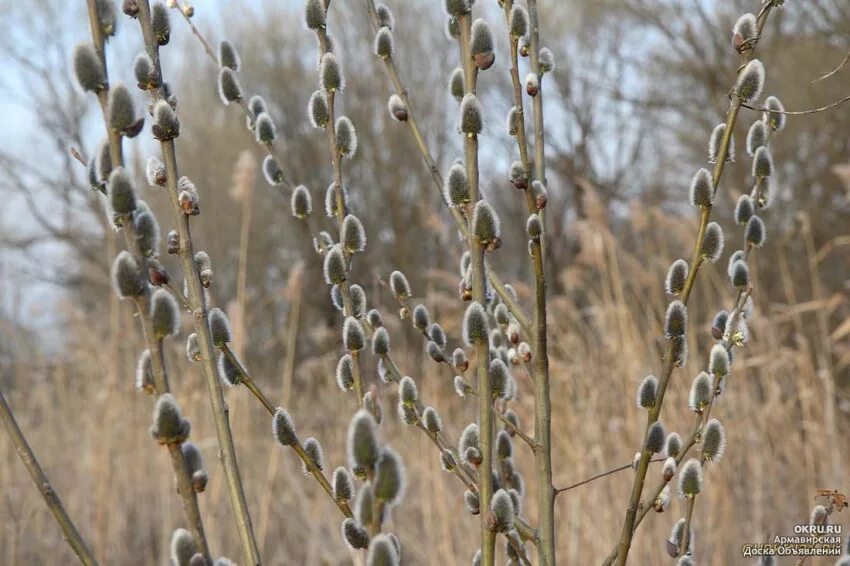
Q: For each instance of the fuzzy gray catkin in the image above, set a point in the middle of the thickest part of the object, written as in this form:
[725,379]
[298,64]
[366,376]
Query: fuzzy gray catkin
[353,234]
[756,137]
[345,373]
[121,109]
[744,209]
[314,14]
[335,269]
[160,23]
[315,455]
[282,428]
[228,86]
[677,275]
[456,85]
[165,314]
[702,189]
[317,109]
[126,277]
[647,392]
[457,8]
[147,233]
[655,437]
[383,46]
[381,342]
[546,60]
[774,117]
[330,73]
[481,44]
[385,16]
[362,443]
[485,223]
[301,205]
[701,392]
[165,126]
[475,326]
[122,193]
[754,233]
[715,144]
[397,108]
[673,445]
[676,321]
[712,243]
[227,55]
[518,21]
[219,327]
[88,68]
[740,275]
[353,535]
[353,337]
[264,129]
[144,373]
[407,391]
[718,362]
[182,547]
[750,81]
[389,479]
[713,441]
[193,462]
[690,478]
[169,426]
[471,115]
[382,552]
[346,137]
[457,186]
[762,163]
[503,511]
[229,372]
[431,420]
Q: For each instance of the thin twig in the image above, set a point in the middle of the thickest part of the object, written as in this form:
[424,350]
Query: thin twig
[69,530]
[602,475]
[799,112]
[314,470]
[533,444]
[835,70]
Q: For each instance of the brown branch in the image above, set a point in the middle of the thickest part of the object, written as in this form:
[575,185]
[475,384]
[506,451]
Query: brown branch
[835,70]
[602,475]
[799,112]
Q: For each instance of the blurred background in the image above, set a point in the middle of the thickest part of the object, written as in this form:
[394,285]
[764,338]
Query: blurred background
[638,88]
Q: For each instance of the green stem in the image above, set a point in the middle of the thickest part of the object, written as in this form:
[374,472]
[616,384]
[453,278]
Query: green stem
[227,452]
[696,261]
[159,370]
[482,349]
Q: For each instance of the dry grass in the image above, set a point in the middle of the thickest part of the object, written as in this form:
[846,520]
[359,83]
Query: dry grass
[90,429]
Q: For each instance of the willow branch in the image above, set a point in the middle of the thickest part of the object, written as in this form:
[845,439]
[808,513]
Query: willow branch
[236,492]
[494,279]
[314,470]
[69,530]
[189,497]
[696,262]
